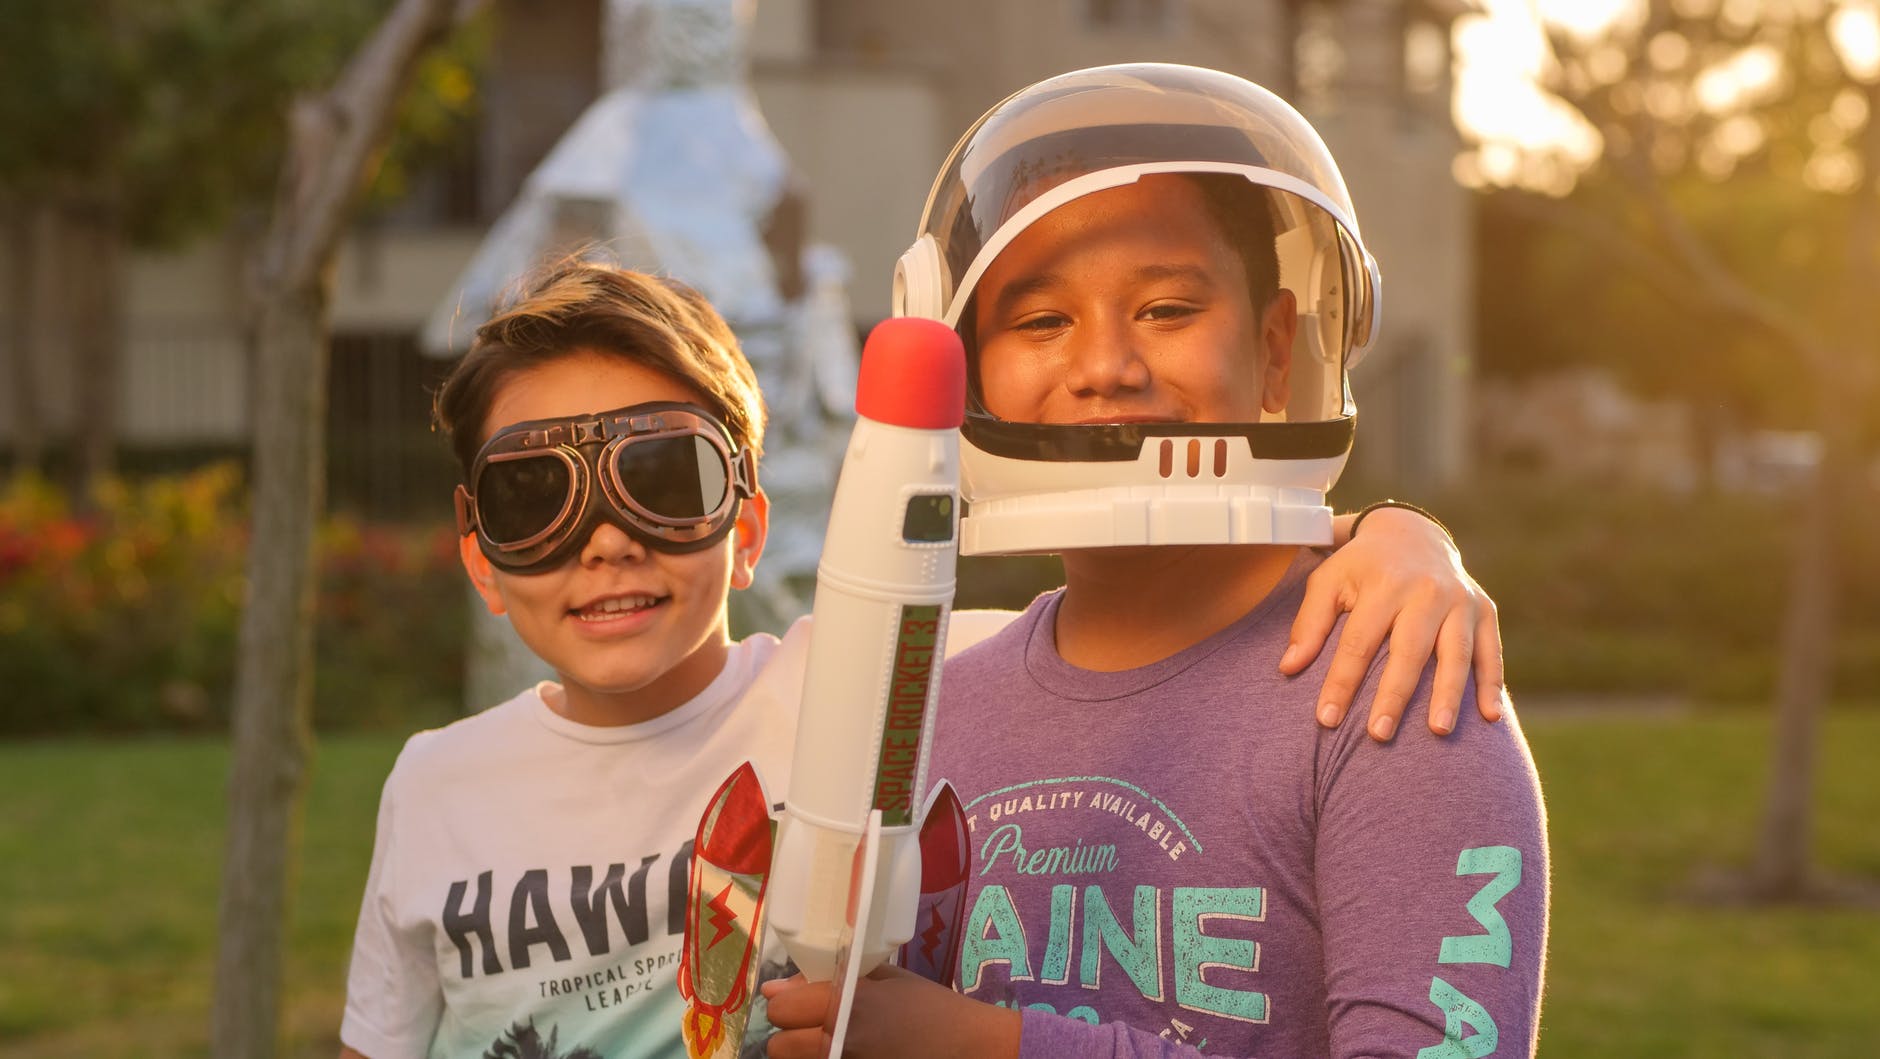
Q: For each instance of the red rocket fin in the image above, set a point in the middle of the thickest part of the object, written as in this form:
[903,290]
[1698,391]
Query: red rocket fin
[718,962]
[945,859]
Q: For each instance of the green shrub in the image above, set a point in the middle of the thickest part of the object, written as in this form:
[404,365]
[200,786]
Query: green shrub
[124,617]
[121,617]
[1611,589]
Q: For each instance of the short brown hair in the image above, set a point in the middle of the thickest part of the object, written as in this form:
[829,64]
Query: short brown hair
[578,303]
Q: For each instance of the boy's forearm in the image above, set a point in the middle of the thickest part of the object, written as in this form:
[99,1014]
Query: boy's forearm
[996,1033]
[1048,1036]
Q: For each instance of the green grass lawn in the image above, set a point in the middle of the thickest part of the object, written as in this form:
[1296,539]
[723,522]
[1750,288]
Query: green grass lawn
[112,860]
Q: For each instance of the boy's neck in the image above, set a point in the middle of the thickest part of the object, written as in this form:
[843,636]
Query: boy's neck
[599,708]
[1129,607]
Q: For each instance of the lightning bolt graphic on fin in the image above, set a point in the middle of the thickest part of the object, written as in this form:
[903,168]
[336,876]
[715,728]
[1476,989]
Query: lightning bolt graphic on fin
[930,937]
[722,916]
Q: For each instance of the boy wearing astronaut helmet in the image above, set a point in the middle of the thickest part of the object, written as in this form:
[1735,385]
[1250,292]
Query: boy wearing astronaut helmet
[1162,283]
[1297,237]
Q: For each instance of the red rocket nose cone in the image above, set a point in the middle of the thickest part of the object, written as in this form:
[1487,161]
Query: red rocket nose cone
[913,375]
[734,833]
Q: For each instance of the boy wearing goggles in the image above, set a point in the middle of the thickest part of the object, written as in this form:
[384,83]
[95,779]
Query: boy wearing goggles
[528,879]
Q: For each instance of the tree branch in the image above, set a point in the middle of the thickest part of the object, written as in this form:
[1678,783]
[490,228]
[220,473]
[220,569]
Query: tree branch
[336,133]
[1672,279]
[1722,288]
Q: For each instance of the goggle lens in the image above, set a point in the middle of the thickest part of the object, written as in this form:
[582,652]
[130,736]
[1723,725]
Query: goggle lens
[664,472]
[521,498]
[675,479]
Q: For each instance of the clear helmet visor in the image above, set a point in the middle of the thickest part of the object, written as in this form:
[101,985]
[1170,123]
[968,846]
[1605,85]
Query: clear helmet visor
[1269,178]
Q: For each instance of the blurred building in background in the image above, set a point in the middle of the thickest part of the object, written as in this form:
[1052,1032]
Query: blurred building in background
[865,97]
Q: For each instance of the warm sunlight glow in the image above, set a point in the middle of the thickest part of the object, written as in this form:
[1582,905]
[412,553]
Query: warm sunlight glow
[1501,56]
[1855,30]
[1586,18]
[1746,76]
[1836,171]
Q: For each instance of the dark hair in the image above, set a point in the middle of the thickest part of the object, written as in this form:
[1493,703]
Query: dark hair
[577,304]
[1244,213]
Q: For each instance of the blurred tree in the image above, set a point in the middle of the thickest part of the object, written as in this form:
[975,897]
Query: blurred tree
[1550,299]
[335,139]
[144,125]
[1735,176]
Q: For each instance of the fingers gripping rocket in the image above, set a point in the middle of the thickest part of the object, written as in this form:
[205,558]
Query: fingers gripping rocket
[884,594]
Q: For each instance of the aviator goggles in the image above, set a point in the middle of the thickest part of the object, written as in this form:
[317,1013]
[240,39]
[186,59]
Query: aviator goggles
[665,473]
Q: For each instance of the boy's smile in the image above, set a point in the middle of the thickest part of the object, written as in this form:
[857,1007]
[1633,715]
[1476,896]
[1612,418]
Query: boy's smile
[632,631]
[1128,305]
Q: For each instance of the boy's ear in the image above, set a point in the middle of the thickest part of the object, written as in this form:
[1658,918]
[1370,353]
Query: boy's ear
[747,539]
[1279,325]
[482,575]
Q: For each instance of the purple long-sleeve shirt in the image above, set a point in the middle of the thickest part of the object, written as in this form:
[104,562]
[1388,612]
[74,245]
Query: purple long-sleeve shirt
[1178,859]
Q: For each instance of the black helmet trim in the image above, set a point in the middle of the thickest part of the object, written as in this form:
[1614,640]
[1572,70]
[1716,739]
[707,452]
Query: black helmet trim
[1123,442]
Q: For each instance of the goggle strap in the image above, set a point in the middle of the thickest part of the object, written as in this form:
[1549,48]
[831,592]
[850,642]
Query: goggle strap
[744,473]
[466,510]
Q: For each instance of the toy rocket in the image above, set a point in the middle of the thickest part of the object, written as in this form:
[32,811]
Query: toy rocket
[841,898]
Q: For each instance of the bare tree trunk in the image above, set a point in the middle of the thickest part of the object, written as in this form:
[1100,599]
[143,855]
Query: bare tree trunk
[23,327]
[332,140]
[1784,860]
[1843,387]
[93,281]
[273,693]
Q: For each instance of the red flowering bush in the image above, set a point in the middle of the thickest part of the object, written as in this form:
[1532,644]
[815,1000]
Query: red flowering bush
[393,618]
[124,617]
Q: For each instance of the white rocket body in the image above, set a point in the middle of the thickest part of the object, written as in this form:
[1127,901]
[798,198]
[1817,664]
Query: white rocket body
[884,593]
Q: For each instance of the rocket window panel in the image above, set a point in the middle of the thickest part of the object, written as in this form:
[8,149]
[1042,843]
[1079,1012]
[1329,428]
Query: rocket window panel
[928,519]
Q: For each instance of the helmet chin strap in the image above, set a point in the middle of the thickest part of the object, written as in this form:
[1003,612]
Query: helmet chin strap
[1200,489]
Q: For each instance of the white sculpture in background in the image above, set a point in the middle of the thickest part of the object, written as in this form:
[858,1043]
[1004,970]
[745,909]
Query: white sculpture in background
[673,171]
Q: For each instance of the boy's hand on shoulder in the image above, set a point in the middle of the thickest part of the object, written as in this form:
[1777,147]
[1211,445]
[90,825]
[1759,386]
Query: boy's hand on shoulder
[1402,577]
[897,1014]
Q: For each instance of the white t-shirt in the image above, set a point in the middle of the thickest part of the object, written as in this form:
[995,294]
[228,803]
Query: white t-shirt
[529,873]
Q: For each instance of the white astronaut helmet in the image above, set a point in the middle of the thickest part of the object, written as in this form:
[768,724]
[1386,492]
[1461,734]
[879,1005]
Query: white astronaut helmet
[1040,487]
